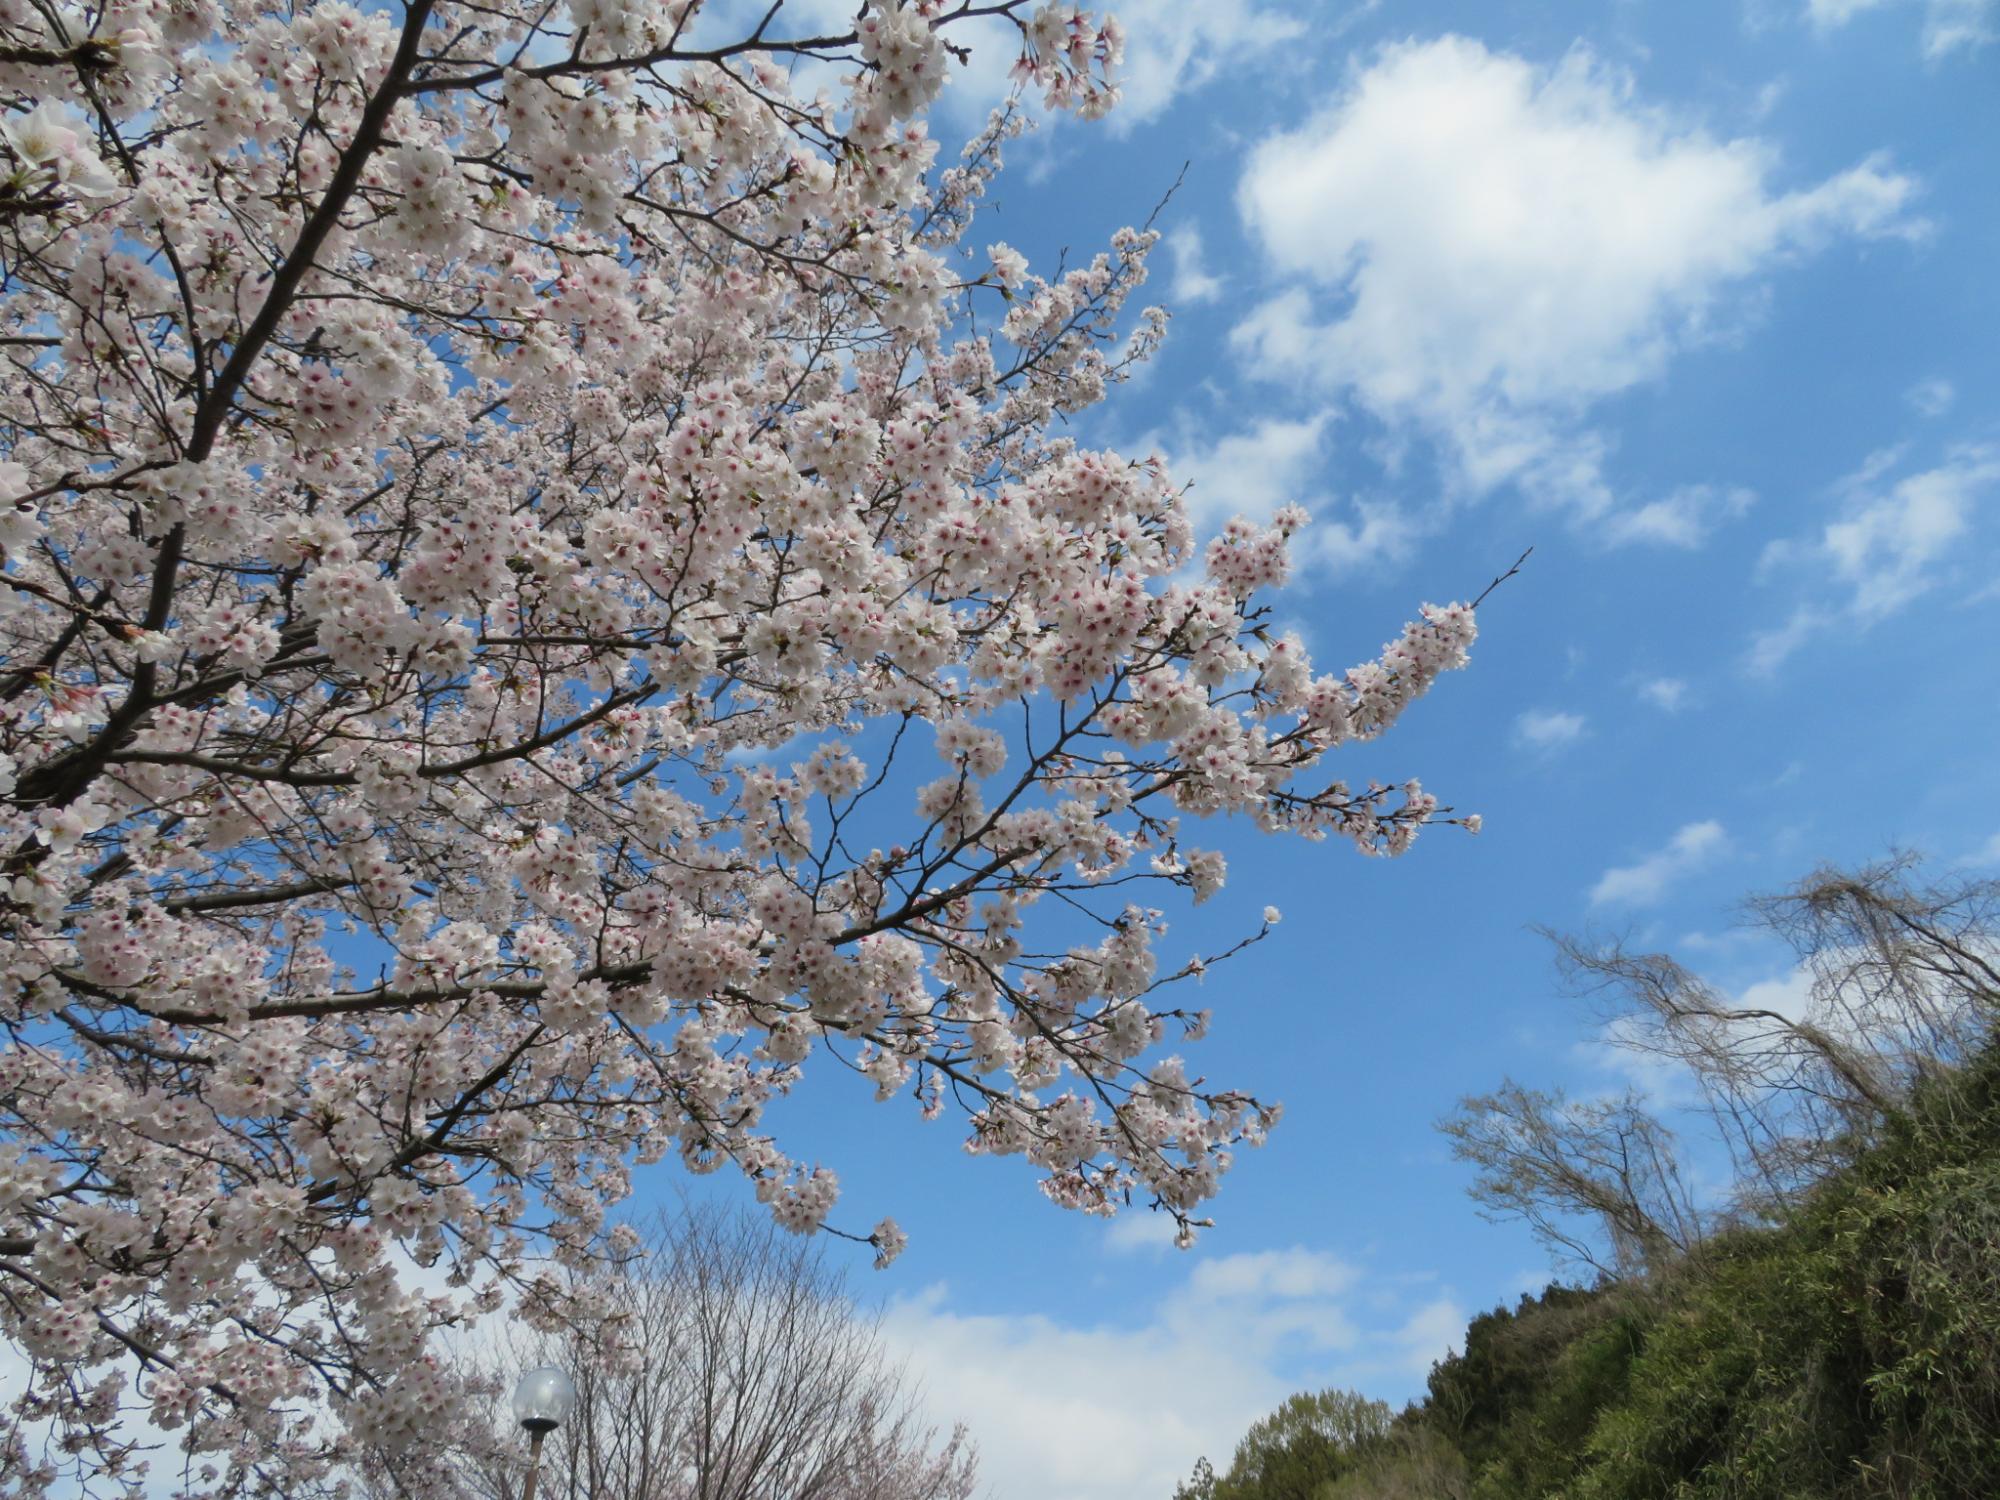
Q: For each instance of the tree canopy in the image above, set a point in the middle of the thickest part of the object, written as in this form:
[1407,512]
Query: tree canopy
[500,500]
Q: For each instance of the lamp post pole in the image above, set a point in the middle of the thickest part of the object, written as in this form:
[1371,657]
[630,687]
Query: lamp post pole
[535,1437]
[543,1400]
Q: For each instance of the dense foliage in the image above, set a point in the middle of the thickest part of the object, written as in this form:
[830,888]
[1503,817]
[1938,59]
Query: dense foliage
[1852,1352]
[1289,1454]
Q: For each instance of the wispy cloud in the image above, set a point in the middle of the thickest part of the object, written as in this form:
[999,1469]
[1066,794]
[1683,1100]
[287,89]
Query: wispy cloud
[1629,1047]
[1647,882]
[1889,547]
[1771,649]
[1173,47]
[1949,25]
[1933,397]
[1192,280]
[1669,694]
[1546,729]
[1682,519]
[1379,532]
[1885,549]
[1987,853]
[1130,1233]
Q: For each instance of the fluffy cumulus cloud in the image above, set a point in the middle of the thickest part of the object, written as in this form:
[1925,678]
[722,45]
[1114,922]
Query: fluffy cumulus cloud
[1094,1412]
[1480,249]
[1949,25]
[1647,882]
[1893,541]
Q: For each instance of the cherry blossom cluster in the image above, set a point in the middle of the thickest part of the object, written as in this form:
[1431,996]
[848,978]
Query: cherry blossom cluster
[546,591]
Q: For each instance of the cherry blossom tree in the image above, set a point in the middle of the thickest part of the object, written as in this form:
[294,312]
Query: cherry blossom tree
[497,495]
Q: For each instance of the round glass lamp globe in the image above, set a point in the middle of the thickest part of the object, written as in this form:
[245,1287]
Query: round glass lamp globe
[543,1399]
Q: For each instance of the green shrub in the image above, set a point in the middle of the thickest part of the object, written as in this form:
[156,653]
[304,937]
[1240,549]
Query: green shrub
[1851,1352]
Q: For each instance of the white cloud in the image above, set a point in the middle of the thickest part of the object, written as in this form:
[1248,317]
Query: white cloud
[1095,1411]
[1382,533]
[1682,519]
[1771,649]
[1987,853]
[1173,46]
[1193,281]
[1279,335]
[1667,693]
[1545,729]
[1646,882]
[1132,1232]
[1629,1045]
[1275,462]
[1499,246]
[1789,995]
[1952,24]
[1272,463]
[1933,397]
[1620,1047]
[1263,1275]
[1948,24]
[1887,549]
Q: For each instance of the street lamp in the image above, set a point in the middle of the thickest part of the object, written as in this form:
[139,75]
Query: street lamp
[543,1400]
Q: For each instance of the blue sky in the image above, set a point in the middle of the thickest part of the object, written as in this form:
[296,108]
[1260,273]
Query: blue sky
[1699,301]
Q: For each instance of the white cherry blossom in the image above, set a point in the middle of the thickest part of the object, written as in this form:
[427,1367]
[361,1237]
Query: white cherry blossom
[547,592]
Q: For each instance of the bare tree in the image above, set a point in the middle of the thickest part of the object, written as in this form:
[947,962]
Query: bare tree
[1898,979]
[730,1364]
[1600,1182]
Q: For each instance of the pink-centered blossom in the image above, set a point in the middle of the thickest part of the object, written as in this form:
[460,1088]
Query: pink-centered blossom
[546,605]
